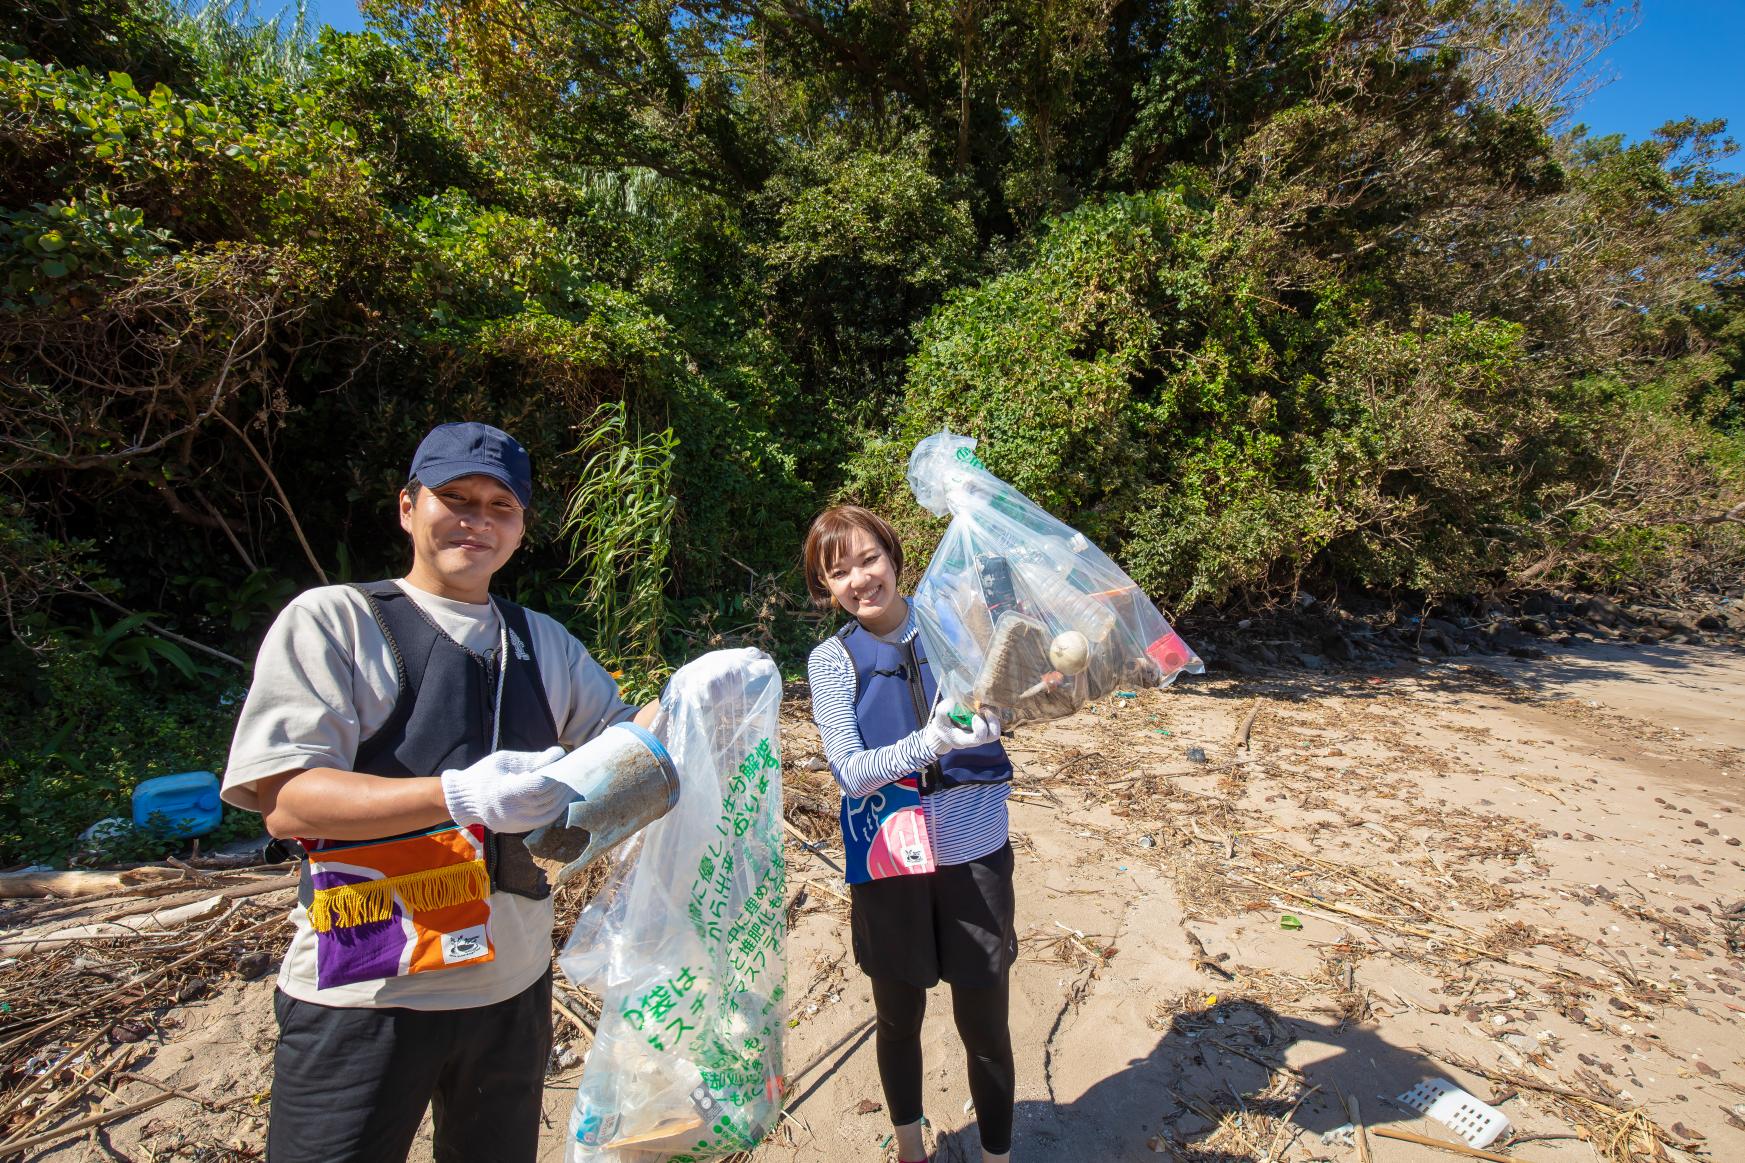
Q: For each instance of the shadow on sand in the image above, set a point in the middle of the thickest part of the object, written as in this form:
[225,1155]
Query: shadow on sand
[1225,1060]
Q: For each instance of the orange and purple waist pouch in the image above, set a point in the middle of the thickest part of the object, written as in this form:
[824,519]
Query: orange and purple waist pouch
[402,905]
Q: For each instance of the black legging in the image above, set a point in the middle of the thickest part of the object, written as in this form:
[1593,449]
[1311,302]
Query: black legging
[987,1039]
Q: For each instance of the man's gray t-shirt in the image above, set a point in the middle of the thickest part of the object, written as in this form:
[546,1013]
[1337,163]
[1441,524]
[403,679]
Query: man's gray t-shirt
[324,681]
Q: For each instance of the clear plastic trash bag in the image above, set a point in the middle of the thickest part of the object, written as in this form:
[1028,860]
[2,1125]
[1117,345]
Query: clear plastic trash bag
[685,944]
[1019,612]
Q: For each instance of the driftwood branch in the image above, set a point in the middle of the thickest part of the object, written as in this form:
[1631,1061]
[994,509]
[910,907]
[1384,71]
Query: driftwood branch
[32,884]
[1247,727]
[137,925]
[65,1130]
[1735,515]
[581,1023]
[1442,1144]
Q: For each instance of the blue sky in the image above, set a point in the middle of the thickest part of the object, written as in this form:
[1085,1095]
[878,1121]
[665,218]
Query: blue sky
[1683,58]
[342,14]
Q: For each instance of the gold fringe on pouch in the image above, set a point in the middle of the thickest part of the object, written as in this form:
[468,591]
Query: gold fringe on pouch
[347,905]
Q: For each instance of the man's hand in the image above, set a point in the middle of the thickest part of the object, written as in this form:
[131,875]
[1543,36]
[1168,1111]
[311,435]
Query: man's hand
[946,736]
[505,792]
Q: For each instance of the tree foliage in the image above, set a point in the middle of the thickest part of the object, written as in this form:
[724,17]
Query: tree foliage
[1261,293]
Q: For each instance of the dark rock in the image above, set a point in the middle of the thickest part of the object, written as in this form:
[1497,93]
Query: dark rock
[253,965]
[1338,646]
[1603,610]
[1239,663]
[1311,661]
[1710,622]
[129,1030]
[1541,603]
[1499,636]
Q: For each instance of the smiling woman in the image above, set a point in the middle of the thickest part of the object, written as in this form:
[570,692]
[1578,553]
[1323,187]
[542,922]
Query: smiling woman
[923,827]
[863,582]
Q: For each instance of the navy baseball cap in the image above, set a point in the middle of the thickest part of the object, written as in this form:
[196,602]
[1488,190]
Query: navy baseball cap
[451,451]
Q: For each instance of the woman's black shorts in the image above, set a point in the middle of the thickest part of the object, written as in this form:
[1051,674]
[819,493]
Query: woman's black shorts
[953,925]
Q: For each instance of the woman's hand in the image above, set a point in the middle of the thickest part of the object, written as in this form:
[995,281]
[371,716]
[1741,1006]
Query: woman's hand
[946,735]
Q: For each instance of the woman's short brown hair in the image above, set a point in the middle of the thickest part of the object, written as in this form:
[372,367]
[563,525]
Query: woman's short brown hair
[828,538]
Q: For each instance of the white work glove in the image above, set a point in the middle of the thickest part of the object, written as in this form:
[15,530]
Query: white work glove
[505,792]
[946,736]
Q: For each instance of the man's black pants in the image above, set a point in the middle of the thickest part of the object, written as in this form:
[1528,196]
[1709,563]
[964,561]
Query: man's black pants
[351,1085]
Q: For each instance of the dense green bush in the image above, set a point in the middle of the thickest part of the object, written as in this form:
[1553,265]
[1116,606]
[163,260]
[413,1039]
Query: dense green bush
[1143,373]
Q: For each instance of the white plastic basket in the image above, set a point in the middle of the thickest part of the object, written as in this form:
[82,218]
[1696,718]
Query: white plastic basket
[1479,1123]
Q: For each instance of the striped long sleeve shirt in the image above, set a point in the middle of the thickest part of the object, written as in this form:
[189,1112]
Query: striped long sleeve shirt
[963,823]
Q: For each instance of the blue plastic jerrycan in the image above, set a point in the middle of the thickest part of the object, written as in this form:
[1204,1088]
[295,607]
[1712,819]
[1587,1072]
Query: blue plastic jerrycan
[188,802]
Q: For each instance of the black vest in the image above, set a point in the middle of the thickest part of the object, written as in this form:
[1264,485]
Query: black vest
[443,717]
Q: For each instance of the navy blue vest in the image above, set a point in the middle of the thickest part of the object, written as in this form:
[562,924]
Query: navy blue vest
[443,716]
[893,695]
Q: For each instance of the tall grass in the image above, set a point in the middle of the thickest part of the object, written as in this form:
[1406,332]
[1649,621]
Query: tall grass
[232,39]
[617,524]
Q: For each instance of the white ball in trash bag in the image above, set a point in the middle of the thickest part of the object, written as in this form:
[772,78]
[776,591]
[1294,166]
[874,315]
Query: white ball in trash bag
[1070,652]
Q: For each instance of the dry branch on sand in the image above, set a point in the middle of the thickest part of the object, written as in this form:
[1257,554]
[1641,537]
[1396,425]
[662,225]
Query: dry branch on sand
[33,883]
[74,1010]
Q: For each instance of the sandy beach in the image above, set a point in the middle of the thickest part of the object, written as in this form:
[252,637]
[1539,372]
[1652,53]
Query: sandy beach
[1509,874]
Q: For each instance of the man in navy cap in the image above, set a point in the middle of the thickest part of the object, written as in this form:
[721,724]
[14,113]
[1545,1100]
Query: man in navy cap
[397,730]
